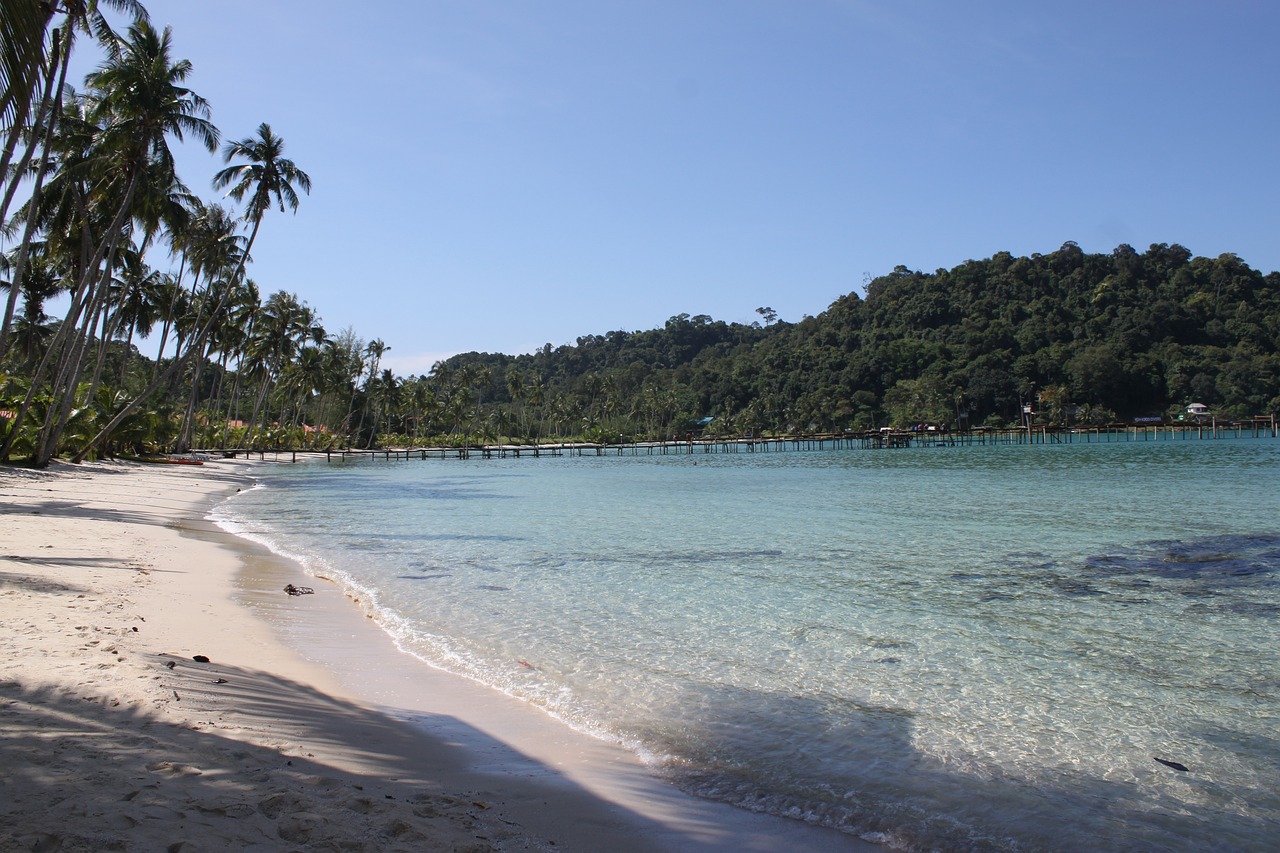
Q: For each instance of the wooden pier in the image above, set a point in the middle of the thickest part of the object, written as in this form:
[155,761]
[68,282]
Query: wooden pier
[885,439]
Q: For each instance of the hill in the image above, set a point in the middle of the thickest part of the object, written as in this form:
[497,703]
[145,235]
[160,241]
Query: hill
[1086,337]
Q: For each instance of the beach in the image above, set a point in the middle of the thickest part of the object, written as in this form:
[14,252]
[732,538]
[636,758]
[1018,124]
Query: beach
[160,691]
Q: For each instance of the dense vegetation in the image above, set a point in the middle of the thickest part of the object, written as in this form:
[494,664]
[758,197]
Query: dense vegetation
[91,199]
[1082,338]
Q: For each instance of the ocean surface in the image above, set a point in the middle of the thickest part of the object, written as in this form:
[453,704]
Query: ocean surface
[952,649]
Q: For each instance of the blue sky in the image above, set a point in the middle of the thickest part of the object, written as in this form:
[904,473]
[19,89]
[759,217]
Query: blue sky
[494,176]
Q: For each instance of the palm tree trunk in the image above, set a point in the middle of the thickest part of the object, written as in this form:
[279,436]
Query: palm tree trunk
[169,318]
[179,361]
[257,408]
[185,432]
[128,348]
[66,387]
[231,401]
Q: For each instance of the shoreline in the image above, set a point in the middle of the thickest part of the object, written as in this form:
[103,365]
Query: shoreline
[306,726]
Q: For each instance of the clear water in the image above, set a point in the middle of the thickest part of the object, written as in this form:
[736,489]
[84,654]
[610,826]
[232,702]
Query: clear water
[946,649]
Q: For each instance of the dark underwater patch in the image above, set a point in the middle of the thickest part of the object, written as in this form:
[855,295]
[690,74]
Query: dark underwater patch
[1224,572]
[1216,558]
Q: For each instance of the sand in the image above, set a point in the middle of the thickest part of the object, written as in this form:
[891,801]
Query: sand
[160,692]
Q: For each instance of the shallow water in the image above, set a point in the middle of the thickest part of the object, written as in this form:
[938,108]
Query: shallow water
[952,649]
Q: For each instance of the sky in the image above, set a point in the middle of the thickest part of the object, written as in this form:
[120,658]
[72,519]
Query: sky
[494,176]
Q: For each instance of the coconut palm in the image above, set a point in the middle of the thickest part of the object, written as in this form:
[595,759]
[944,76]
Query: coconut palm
[373,352]
[230,341]
[209,245]
[265,176]
[137,102]
[284,325]
[302,379]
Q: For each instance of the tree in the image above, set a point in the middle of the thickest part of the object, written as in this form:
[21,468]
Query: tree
[136,102]
[265,175]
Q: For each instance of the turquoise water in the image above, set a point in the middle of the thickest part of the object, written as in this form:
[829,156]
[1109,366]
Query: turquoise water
[946,649]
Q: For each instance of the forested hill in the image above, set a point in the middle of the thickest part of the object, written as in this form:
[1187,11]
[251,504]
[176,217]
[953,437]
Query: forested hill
[1089,337]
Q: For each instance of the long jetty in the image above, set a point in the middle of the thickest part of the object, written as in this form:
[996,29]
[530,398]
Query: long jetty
[883,439]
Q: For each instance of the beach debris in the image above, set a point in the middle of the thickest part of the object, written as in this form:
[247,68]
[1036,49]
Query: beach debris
[199,658]
[1181,768]
[526,664]
[220,681]
[298,590]
[170,664]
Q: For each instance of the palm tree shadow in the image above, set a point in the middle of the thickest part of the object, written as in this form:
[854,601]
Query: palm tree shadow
[81,770]
[34,583]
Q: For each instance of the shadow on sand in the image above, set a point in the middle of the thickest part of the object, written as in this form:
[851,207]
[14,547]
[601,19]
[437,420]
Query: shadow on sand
[84,773]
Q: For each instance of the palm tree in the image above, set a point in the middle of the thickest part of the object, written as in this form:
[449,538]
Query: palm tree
[388,400]
[516,391]
[231,340]
[31,334]
[137,101]
[284,324]
[303,378]
[265,176]
[208,244]
[213,249]
[373,352]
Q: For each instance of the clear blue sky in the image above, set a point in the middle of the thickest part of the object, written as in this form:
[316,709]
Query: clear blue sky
[497,175]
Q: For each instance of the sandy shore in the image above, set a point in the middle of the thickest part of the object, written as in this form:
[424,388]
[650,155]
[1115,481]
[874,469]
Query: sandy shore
[305,729]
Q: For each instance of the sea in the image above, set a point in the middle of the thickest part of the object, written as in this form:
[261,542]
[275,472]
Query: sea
[1001,648]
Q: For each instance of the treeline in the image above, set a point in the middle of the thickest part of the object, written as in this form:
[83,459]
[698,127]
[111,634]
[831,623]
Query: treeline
[1082,338]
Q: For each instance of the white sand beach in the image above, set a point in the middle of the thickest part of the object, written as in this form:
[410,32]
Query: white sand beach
[305,728]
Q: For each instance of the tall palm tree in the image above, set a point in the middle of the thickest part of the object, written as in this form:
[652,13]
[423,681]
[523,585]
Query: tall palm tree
[265,176]
[211,248]
[137,102]
[388,398]
[284,326]
[516,391]
[31,334]
[373,352]
[302,379]
[232,341]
